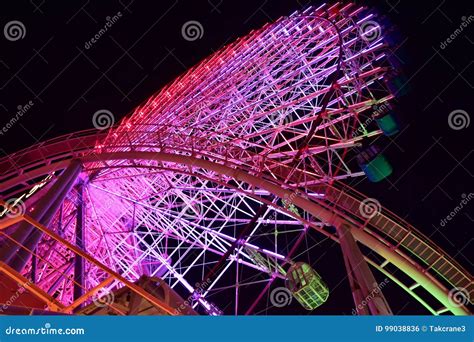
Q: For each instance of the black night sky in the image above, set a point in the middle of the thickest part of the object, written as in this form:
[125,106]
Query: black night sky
[144,50]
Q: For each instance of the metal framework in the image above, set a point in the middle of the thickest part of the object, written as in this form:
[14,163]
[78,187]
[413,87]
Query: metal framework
[214,182]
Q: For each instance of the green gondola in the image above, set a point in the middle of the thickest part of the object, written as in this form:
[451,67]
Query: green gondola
[306,286]
[388,123]
[374,164]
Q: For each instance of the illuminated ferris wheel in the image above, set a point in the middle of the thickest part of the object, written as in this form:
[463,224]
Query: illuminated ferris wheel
[201,199]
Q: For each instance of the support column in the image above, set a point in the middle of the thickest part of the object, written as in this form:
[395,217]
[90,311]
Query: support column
[44,211]
[80,243]
[355,288]
[34,264]
[366,292]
